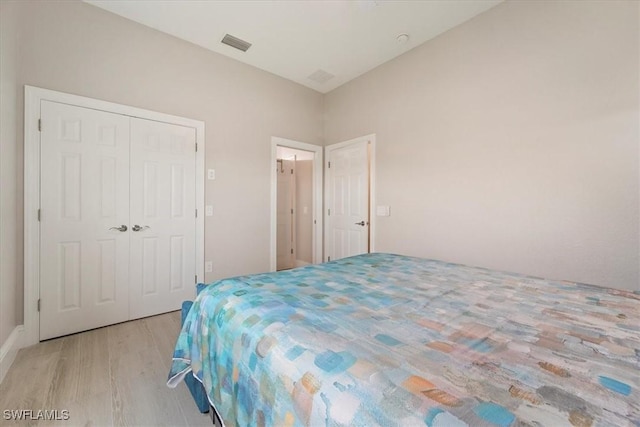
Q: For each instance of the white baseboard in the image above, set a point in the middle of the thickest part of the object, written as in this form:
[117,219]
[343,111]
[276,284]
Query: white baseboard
[9,350]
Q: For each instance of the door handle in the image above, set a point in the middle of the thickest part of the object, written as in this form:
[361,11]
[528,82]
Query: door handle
[362,223]
[122,228]
[139,228]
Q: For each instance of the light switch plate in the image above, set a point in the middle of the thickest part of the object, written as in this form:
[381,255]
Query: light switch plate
[383,210]
[208,211]
[211,174]
[208,266]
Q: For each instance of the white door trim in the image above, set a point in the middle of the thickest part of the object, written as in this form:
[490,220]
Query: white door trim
[317,197]
[372,184]
[32,99]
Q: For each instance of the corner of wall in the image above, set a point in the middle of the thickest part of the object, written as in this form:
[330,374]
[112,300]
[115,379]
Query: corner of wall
[9,159]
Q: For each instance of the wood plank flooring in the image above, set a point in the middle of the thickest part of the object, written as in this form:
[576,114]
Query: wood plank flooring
[112,376]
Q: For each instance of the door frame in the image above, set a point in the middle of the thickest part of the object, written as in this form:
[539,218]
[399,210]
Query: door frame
[317,197]
[33,96]
[371,139]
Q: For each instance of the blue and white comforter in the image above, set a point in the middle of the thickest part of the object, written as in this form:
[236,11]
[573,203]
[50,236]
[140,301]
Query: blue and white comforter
[389,340]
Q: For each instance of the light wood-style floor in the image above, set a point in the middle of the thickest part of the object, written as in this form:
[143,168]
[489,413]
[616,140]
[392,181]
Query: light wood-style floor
[110,376]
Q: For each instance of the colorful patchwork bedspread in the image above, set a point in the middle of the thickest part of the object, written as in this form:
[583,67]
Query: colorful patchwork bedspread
[390,340]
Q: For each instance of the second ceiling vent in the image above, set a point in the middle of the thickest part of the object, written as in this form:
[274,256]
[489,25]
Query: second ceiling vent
[232,41]
[321,76]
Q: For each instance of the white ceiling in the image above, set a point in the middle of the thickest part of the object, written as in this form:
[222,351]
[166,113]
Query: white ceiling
[294,39]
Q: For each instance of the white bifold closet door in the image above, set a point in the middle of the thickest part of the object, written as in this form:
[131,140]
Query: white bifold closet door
[117,218]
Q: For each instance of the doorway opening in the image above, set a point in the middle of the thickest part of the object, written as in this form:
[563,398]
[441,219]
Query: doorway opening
[296,204]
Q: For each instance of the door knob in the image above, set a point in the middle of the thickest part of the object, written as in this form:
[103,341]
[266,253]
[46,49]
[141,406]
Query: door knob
[122,228]
[139,228]
[362,223]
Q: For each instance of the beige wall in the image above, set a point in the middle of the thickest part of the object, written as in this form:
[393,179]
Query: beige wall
[77,48]
[510,142]
[9,222]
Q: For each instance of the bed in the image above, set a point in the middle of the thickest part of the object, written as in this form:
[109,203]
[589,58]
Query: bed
[382,339]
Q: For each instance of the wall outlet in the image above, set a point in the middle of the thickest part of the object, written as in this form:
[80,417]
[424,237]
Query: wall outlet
[208,266]
[208,211]
[211,174]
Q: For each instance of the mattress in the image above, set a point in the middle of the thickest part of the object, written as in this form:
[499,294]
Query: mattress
[382,339]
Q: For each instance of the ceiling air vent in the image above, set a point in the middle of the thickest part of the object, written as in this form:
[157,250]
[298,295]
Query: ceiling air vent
[239,44]
[321,76]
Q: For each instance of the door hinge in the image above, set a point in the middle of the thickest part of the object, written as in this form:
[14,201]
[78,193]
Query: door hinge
[291,171]
[292,211]
[196,278]
[40,125]
[196,213]
[329,258]
[329,166]
[38,304]
[39,215]
[291,251]
[196,147]
[329,214]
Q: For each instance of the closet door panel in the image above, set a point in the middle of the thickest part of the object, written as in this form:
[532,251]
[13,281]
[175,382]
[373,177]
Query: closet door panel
[84,194]
[163,203]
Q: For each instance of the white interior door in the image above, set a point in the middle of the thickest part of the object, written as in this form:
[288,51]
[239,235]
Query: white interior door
[285,214]
[84,263]
[347,187]
[163,216]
